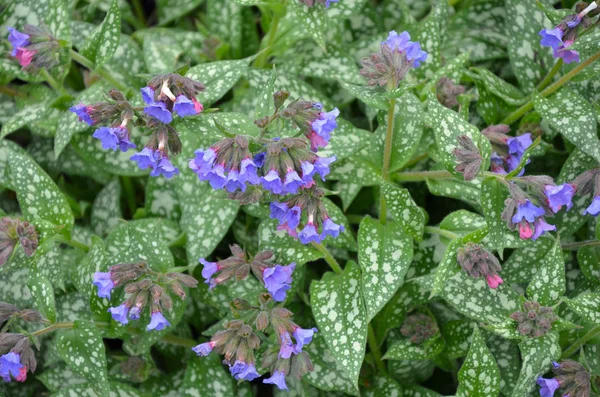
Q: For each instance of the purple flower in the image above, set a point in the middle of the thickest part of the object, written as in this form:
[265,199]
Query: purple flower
[292,217]
[396,41]
[148,95]
[134,313]
[325,124]
[242,370]
[272,182]
[594,208]
[147,158]
[513,162]
[113,138]
[248,171]
[184,106]
[528,211]
[119,313]
[559,195]
[328,2]
[541,227]
[292,182]
[158,322]
[155,160]
[159,110]
[165,168]
[316,141]
[234,182]
[303,337]
[104,284]
[210,268]
[10,364]
[278,211]
[203,161]
[322,166]
[331,228]
[259,159]
[548,386]
[551,38]
[83,112]
[17,40]
[277,280]
[308,170]
[286,348]
[497,164]
[204,349]
[415,55]
[216,177]
[568,56]
[277,379]
[308,234]
[518,145]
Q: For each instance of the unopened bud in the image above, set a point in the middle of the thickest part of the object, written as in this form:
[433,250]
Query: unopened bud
[138,286]
[418,328]
[262,122]
[281,312]
[177,290]
[31,316]
[28,237]
[300,365]
[535,320]
[279,98]
[262,320]
[240,304]
[6,311]
[165,301]
[468,157]
[185,279]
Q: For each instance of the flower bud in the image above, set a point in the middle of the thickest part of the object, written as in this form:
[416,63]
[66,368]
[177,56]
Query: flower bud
[185,279]
[262,320]
[137,286]
[177,290]
[31,316]
[534,321]
[279,98]
[28,237]
[468,157]
[6,311]
[240,304]
[447,92]
[300,365]
[418,328]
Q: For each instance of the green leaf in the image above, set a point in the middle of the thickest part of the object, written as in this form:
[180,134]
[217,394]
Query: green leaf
[345,141]
[587,306]
[206,376]
[457,334]
[498,87]
[162,199]
[447,127]
[55,14]
[100,46]
[312,20]
[548,283]
[42,293]
[447,267]
[218,77]
[479,375]
[384,255]
[589,261]
[82,349]
[169,10]
[29,115]
[59,377]
[383,386]
[90,390]
[93,261]
[373,97]
[286,248]
[265,106]
[404,349]
[453,188]
[529,60]
[404,210]
[339,309]
[493,195]
[38,195]
[572,116]
[106,210]
[537,355]
[224,20]
[473,298]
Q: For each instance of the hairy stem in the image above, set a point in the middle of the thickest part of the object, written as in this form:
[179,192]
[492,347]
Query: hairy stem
[335,266]
[548,79]
[52,81]
[517,114]
[441,232]
[77,57]
[75,244]
[575,246]
[387,158]
[580,342]
[375,351]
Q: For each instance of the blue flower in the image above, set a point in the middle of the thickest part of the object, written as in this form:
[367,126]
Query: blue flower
[518,145]
[322,166]
[113,138]
[204,349]
[104,283]
[210,268]
[157,161]
[568,56]
[17,40]
[277,280]
[277,379]
[248,171]
[134,313]
[119,313]
[158,322]
[203,161]
[234,182]
[309,233]
[322,126]
[541,226]
[184,106]
[303,337]
[292,182]
[286,348]
[328,2]
[551,38]
[331,228]
[148,95]
[83,112]
[272,182]
[241,370]
[528,211]
[396,41]
[10,364]
[159,111]
[594,208]
[548,386]
[558,196]
[415,55]
[278,211]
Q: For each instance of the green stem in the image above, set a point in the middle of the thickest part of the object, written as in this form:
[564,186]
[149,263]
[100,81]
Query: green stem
[180,269]
[580,342]
[517,114]
[139,12]
[441,232]
[129,194]
[77,57]
[387,158]
[75,244]
[418,176]
[579,244]
[548,79]
[52,81]
[374,347]
[335,266]
[179,241]
[261,61]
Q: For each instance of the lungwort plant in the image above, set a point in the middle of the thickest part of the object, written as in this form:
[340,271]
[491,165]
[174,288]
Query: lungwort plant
[299,197]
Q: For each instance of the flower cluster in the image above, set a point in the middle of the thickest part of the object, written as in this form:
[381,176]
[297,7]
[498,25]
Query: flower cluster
[396,57]
[239,340]
[572,378]
[468,157]
[142,289]
[565,33]
[587,182]
[276,278]
[447,92]
[418,328]
[478,262]
[535,320]
[164,95]
[13,232]
[507,151]
[35,48]
[283,167]
[305,208]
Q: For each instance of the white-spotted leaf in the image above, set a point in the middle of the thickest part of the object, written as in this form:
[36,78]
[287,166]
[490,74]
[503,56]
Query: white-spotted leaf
[100,46]
[404,210]
[479,375]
